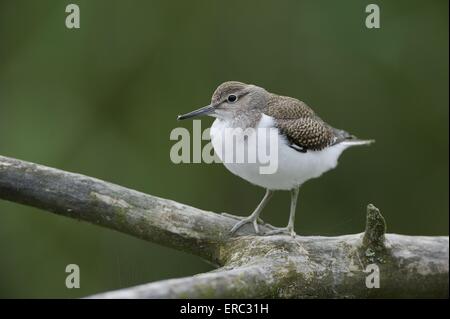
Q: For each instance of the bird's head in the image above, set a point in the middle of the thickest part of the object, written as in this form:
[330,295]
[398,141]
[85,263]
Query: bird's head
[232,99]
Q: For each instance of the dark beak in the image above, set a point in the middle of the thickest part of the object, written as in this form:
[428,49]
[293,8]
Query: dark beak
[203,111]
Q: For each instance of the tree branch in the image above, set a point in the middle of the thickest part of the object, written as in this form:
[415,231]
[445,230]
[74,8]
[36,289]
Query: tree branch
[251,266]
[242,282]
[148,217]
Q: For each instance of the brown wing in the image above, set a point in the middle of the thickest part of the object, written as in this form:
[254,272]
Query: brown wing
[301,126]
[307,133]
[285,107]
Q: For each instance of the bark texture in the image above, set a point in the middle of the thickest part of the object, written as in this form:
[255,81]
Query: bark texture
[249,266]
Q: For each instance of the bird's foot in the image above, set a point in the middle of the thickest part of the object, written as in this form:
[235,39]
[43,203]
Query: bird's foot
[260,221]
[243,221]
[281,231]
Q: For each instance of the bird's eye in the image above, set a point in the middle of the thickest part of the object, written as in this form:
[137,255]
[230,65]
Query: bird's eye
[232,98]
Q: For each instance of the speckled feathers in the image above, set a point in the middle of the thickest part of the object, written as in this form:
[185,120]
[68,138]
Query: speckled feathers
[296,120]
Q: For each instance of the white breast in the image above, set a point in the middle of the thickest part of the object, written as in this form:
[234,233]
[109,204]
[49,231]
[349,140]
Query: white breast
[293,167]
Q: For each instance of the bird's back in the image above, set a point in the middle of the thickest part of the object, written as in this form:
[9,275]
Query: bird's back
[302,126]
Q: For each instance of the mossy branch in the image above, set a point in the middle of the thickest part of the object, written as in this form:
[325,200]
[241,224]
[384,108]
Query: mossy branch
[250,266]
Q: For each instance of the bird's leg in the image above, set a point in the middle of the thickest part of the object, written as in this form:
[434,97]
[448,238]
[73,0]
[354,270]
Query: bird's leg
[289,229]
[253,218]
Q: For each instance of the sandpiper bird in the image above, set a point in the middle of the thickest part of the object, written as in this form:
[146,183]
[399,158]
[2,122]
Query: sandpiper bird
[306,145]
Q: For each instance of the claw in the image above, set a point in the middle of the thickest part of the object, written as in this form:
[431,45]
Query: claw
[255,226]
[244,221]
[260,221]
[283,231]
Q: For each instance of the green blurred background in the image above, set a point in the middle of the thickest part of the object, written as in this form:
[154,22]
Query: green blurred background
[103,99]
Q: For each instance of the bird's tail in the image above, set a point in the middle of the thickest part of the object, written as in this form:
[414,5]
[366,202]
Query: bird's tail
[356,141]
[347,139]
